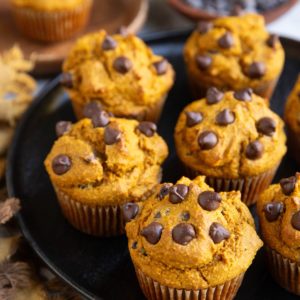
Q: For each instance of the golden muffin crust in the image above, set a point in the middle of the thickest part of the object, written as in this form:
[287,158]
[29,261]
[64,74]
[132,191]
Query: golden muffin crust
[230,135]
[279,214]
[119,71]
[48,4]
[187,236]
[106,161]
[234,52]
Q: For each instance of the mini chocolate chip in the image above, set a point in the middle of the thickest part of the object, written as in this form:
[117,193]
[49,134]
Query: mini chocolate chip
[61,164]
[218,233]
[209,200]
[288,185]
[183,233]
[296,220]
[226,41]
[254,150]
[109,43]
[100,119]
[152,232]
[122,64]
[185,216]
[67,80]
[256,70]
[130,210]
[207,140]
[273,210]
[161,67]
[91,108]
[134,245]
[177,193]
[164,191]
[272,40]
[147,128]
[111,135]
[203,62]
[157,215]
[62,127]
[204,26]
[266,126]
[213,96]
[243,95]
[193,118]
[225,117]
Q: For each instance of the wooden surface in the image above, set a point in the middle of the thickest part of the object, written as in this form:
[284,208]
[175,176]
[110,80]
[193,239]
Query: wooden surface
[109,14]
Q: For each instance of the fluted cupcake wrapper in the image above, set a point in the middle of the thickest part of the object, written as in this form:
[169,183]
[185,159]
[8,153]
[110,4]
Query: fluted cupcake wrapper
[155,291]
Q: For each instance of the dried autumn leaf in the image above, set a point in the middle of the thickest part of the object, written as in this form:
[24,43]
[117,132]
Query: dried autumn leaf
[8,209]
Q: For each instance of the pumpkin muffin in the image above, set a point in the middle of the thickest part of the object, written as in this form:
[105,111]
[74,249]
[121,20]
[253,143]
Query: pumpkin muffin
[189,242]
[120,74]
[98,164]
[279,214]
[233,53]
[51,20]
[234,139]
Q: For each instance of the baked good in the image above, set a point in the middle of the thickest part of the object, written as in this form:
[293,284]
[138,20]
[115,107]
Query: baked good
[233,53]
[229,137]
[120,73]
[188,242]
[98,164]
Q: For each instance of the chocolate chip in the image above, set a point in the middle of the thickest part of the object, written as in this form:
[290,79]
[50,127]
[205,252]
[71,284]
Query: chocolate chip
[266,126]
[226,41]
[203,62]
[185,216]
[177,193]
[256,70]
[254,150]
[161,67]
[213,96]
[193,118]
[243,95]
[209,200]
[164,191]
[91,108]
[100,119]
[288,185]
[109,43]
[152,232]
[225,117]
[122,65]
[62,127]
[157,215]
[67,80]
[204,26]
[218,233]
[111,135]
[183,233]
[147,128]
[273,210]
[134,245]
[296,220]
[272,40]
[61,164]
[207,140]
[130,210]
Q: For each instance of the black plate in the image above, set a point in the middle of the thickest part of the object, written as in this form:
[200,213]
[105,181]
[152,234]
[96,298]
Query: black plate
[100,268]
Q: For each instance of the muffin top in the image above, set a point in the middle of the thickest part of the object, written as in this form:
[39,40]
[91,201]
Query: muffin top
[120,71]
[48,4]
[292,108]
[279,214]
[187,236]
[234,52]
[230,135]
[106,160]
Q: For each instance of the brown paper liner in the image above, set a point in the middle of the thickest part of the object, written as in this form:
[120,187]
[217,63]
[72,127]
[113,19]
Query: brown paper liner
[155,291]
[51,26]
[293,144]
[284,271]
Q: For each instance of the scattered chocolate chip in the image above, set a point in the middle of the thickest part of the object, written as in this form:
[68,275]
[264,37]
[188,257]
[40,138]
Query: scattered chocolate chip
[122,65]
[256,70]
[67,80]
[161,67]
[193,118]
[207,140]
[266,126]
[272,40]
[273,210]
[100,119]
[130,210]
[226,41]
[213,96]
[111,135]
[203,62]
[218,233]
[91,108]
[296,220]
[209,200]
[134,245]
[157,215]
[204,26]
[109,43]
[164,191]
[152,232]
[185,216]
[225,117]
[147,128]
[288,185]
[62,127]
[61,164]
[243,95]
[183,233]
[178,192]
[254,150]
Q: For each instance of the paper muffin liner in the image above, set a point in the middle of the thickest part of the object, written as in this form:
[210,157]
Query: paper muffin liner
[284,271]
[153,290]
[51,26]
[293,144]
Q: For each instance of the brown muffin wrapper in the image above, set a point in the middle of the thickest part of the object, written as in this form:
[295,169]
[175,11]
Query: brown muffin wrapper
[54,25]
[250,187]
[284,271]
[293,144]
[92,219]
[155,291]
